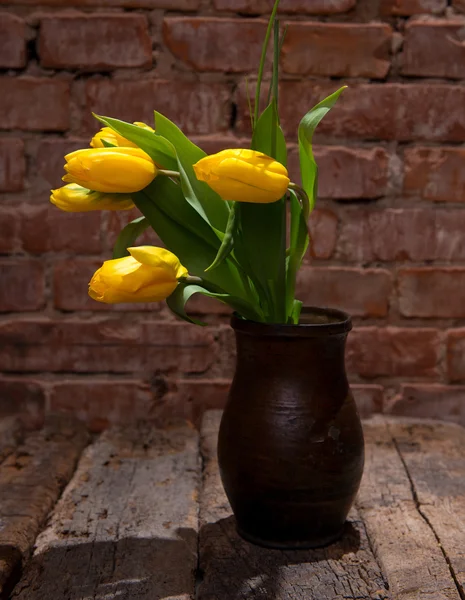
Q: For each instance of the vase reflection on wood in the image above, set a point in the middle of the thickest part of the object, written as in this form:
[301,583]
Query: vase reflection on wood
[291,448]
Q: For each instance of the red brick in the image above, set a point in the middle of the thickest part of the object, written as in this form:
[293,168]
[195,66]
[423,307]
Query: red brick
[215,143]
[95,42]
[456,355]
[434,49]
[337,49]
[50,158]
[393,352]
[49,229]
[436,174]
[190,398]
[369,399]
[34,104]
[71,282]
[459,5]
[430,401]
[323,228]
[12,42]
[348,173]
[70,285]
[101,346]
[390,111]
[310,7]
[405,8]
[432,292]
[196,107]
[401,234]
[101,403]
[12,165]
[360,292]
[24,398]
[184,5]
[22,286]
[212,44]
[225,364]
[9,227]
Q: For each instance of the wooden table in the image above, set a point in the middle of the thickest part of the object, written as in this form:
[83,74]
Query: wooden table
[140,514]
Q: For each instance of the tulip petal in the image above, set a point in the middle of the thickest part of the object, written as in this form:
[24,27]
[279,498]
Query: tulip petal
[110,170]
[75,198]
[158,257]
[244,176]
[128,280]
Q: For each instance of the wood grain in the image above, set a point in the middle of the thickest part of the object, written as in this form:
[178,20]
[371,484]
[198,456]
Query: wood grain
[405,544]
[11,434]
[434,455]
[126,526]
[31,480]
[234,569]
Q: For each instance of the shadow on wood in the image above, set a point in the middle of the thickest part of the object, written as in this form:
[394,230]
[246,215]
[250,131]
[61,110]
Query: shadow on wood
[130,568]
[239,570]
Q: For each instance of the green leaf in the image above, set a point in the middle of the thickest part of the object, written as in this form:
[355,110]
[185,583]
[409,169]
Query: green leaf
[296,310]
[261,240]
[200,195]
[261,66]
[194,252]
[184,291]
[307,127]
[263,226]
[161,151]
[299,241]
[227,244]
[168,196]
[108,144]
[129,235]
[262,137]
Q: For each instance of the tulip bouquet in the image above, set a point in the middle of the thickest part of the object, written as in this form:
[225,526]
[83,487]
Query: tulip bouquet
[235,227]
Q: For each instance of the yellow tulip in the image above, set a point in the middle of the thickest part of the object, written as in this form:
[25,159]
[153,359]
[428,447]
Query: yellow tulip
[110,170]
[111,136]
[149,275]
[244,176]
[75,198]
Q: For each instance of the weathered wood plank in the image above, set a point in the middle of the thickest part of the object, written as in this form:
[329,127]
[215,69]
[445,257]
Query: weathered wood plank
[234,569]
[126,526]
[31,480]
[11,434]
[434,456]
[403,541]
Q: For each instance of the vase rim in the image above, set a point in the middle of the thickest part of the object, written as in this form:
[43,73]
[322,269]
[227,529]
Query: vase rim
[315,322]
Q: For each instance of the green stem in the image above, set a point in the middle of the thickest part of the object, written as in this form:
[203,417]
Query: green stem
[276,61]
[174,174]
[282,286]
[261,67]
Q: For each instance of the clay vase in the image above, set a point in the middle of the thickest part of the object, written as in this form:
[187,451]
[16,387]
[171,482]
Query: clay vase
[290,446]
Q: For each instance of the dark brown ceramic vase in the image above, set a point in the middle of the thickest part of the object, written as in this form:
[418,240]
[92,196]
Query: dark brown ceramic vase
[290,447]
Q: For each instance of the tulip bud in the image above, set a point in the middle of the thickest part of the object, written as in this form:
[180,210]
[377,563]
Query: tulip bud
[149,275]
[114,138]
[110,170]
[75,198]
[244,176]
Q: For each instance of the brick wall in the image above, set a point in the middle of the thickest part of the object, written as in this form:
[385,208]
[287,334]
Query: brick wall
[389,229]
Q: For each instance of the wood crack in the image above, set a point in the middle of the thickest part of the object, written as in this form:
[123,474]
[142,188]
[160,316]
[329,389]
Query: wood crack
[32,479]
[373,552]
[426,519]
